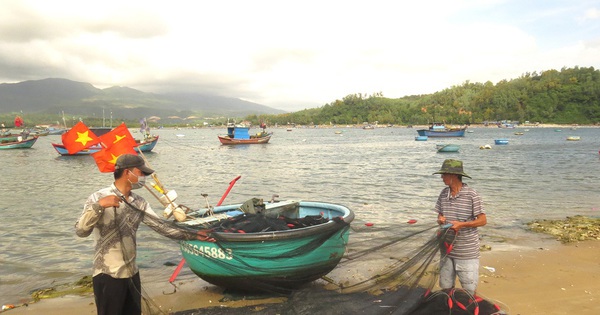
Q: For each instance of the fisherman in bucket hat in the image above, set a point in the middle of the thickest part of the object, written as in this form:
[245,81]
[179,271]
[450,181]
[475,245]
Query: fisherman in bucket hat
[451,166]
[460,211]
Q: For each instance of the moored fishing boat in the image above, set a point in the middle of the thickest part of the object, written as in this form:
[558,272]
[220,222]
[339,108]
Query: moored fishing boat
[501,141]
[9,138]
[238,134]
[19,144]
[447,148]
[440,130]
[145,145]
[56,131]
[265,260]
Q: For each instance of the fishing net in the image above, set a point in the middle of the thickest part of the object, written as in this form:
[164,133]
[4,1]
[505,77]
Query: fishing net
[387,269]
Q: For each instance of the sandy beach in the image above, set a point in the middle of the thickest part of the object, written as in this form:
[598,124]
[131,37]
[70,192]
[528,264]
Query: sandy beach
[551,279]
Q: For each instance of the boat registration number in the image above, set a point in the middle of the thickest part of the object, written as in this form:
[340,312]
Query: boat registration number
[207,251]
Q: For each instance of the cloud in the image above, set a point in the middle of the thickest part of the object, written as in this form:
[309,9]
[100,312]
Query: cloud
[292,54]
[592,14]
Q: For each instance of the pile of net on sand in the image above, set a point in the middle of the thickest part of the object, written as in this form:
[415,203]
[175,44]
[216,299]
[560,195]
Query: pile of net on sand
[388,269]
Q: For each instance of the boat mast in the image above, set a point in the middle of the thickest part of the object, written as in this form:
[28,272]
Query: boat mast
[64,121]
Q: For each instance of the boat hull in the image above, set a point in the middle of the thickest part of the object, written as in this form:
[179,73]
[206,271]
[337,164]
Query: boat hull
[441,133]
[283,259]
[142,146]
[501,141]
[24,144]
[226,140]
[448,148]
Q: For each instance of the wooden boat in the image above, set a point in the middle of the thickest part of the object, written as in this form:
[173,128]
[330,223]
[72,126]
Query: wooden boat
[9,138]
[440,130]
[39,133]
[56,131]
[145,145]
[237,134]
[447,147]
[19,144]
[279,258]
[501,141]
[573,138]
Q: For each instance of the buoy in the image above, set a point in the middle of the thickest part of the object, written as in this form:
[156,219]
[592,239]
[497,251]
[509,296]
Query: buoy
[179,214]
[369,224]
[413,221]
[7,307]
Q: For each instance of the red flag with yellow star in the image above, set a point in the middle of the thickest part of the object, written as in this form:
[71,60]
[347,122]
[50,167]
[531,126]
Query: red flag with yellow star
[120,135]
[107,157]
[78,138]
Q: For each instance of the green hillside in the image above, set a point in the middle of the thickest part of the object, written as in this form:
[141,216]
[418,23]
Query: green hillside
[568,96]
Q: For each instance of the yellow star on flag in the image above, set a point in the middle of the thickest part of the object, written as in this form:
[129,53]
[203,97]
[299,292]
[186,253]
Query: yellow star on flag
[114,158]
[119,138]
[83,137]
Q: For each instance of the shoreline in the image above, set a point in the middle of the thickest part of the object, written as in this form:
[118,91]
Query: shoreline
[553,278]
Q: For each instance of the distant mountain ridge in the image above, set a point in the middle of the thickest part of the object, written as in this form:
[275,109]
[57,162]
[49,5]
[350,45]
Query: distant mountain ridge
[54,95]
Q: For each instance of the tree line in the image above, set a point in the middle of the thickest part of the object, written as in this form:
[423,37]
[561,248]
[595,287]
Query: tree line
[568,96]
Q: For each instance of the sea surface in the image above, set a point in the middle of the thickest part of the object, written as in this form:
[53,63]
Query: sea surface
[383,175]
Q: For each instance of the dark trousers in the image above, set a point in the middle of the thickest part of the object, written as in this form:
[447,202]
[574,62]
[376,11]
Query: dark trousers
[117,296]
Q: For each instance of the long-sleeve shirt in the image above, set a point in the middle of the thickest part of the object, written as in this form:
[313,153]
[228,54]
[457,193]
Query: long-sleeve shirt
[115,230]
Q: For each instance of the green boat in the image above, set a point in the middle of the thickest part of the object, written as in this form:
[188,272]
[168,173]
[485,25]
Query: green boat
[9,138]
[269,260]
[22,144]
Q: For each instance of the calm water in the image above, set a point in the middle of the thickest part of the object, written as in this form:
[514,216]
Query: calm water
[383,175]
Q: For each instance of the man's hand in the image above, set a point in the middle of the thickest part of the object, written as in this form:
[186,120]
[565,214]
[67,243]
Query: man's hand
[109,201]
[441,219]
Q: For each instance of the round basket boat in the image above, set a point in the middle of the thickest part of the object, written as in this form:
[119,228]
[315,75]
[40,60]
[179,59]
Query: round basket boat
[274,259]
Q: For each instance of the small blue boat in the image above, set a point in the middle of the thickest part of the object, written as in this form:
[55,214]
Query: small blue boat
[501,141]
[421,138]
[447,148]
[285,258]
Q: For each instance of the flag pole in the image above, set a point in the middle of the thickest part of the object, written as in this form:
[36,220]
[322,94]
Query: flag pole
[182,262]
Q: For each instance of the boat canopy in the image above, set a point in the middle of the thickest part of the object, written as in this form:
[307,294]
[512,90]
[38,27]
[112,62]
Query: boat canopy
[438,127]
[238,132]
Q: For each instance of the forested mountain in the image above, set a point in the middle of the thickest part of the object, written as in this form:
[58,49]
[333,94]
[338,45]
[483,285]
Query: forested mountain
[568,96]
[49,97]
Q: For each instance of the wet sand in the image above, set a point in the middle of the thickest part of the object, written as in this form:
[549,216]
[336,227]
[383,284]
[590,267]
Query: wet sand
[550,279]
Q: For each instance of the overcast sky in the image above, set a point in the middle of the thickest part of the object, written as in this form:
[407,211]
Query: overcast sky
[291,54]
